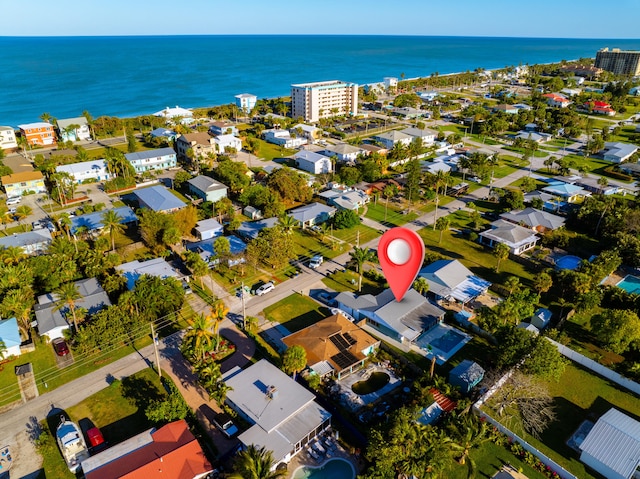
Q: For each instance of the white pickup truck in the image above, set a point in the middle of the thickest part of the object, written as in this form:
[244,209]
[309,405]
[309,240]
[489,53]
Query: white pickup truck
[316,261]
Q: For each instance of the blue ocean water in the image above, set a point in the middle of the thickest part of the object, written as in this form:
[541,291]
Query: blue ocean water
[129,76]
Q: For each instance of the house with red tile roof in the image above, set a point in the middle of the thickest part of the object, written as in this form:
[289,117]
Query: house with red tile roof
[553,99]
[171,452]
[600,108]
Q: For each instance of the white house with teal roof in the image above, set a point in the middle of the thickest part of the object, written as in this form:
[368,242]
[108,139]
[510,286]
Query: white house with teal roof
[158,159]
[566,191]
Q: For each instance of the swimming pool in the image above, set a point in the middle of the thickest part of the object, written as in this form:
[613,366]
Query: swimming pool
[447,341]
[332,469]
[568,262]
[630,283]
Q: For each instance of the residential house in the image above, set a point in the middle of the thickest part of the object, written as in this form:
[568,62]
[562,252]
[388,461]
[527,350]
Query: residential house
[530,127]
[94,170]
[207,188]
[223,128]
[346,199]
[428,95]
[52,320]
[39,133]
[17,184]
[612,446]
[630,168]
[400,320]
[7,138]
[517,238]
[570,92]
[246,102]
[618,152]
[158,159]
[427,136]
[549,202]
[567,192]
[159,199]
[312,214]
[164,134]
[283,138]
[592,185]
[450,280]
[541,318]
[284,416]
[252,213]
[158,267]
[335,346]
[199,143]
[537,220]
[390,138]
[310,132]
[504,108]
[185,116]
[10,337]
[555,100]
[343,152]
[533,136]
[171,451]
[31,242]
[209,228]
[600,108]
[466,375]
[433,167]
[313,163]
[92,222]
[206,250]
[410,113]
[227,144]
[74,129]
[390,83]
[368,149]
[251,229]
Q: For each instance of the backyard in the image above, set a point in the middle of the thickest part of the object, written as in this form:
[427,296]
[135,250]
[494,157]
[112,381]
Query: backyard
[578,395]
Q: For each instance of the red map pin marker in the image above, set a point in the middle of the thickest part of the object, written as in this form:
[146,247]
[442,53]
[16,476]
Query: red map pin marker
[401,253]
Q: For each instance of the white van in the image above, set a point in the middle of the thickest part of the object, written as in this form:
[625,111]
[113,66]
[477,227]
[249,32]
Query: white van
[13,200]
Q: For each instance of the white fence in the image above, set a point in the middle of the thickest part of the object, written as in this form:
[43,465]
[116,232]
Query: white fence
[597,368]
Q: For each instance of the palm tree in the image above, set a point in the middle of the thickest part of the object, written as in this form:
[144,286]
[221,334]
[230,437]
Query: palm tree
[112,222]
[287,223]
[68,294]
[65,223]
[294,360]
[442,224]
[254,463]
[421,285]
[199,338]
[500,251]
[219,311]
[12,254]
[19,303]
[361,256]
[22,212]
[468,433]
[388,192]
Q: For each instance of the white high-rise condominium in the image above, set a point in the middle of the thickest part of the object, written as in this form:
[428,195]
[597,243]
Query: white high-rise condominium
[313,101]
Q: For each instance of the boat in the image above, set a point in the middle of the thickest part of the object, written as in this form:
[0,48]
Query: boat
[6,460]
[71,444]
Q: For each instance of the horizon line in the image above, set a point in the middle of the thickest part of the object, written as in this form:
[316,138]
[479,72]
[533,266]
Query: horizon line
[149,35]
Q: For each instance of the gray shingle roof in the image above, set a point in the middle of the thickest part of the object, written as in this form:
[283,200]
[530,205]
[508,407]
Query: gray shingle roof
[148,154]
[534,218]
[507,232]
[206,184]
[311,212]
[29,238]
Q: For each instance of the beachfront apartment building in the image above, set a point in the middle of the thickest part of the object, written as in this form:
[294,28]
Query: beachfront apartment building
[159,159]
[619,62]
[74,129]
[313,101]
[39,134]
[87,170]
[7,138]
[246,102]
[18,184]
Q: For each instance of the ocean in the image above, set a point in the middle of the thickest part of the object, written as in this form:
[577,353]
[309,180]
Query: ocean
[138,75]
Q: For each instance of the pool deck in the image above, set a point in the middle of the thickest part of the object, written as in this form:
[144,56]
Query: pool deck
[304,459]
[426,339]
[355,401]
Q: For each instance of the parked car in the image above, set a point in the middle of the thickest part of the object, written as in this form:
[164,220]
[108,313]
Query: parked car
[95,439]
[327,298]
[316,261]
[265,288]
[60,347]
[13,200]
[225,424]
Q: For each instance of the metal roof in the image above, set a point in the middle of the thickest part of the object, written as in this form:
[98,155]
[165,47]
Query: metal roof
[93,221]
[614,441]
[158,198]
[20,240]
[148,154]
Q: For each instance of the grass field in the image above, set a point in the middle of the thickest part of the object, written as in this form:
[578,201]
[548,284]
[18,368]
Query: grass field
[269,151]
[579,395]
[376,212]
[348,281]
[118,410]
[295,312]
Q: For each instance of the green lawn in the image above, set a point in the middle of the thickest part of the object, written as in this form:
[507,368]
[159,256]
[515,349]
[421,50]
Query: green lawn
[348,281]
[269,151]
[537,154]
[376,212]
[295,312]
[579,395]
[118,410]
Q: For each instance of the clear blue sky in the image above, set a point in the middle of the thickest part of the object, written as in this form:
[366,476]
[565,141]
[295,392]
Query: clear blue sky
[512,18]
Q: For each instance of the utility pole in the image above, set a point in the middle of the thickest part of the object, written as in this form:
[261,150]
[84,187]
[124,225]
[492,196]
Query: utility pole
[155,347]
[244,317]
[358,239]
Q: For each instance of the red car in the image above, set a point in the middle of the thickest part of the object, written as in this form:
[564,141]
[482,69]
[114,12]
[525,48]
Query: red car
[60,347]
[95,437]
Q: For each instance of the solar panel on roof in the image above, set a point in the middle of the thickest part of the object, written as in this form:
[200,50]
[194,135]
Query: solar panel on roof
[344,359]
[340,342]
[350,339]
